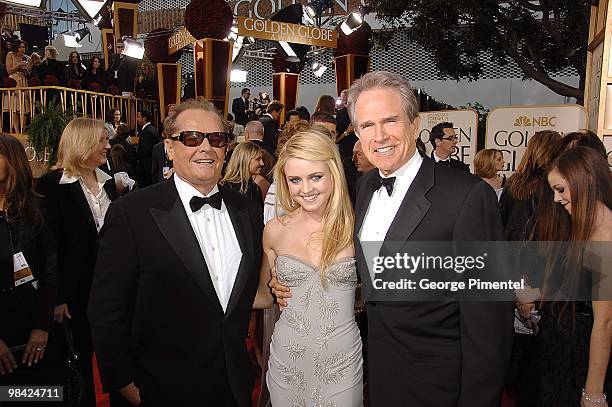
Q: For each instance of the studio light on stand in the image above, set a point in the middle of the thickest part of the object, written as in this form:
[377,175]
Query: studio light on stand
[132,48]
[318,69]
[352,22]
[73,39]
[315,8]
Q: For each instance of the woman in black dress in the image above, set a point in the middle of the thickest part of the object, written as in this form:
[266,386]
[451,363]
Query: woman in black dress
[27,293]
[94,77]
[570,356]
[243,168]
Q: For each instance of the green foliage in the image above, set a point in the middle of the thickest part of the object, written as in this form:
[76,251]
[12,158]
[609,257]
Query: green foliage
[46,129]
[542,37]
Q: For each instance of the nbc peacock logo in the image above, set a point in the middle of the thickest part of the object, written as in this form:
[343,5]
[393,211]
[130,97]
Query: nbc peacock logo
[522,121]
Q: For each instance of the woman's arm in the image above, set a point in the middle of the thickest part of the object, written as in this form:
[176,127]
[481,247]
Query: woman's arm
[263,298]
[599,351]
[12,65]
[263,185]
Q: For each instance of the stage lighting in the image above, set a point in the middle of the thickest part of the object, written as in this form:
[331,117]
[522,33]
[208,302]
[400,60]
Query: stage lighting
[291,55]
[73,39]
[315,8]
[352,22]
[89,8]
[28,3]
[238,76]
[132,48]
[318,69]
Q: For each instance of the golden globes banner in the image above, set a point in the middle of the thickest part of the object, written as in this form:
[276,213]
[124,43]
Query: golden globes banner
[465,123]
[510,128]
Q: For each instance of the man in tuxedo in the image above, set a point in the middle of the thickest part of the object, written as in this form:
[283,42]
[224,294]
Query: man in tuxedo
[176,278]
[240,107]
[122,70]
[270,122]
[444,141]
[147,138]
[442,353]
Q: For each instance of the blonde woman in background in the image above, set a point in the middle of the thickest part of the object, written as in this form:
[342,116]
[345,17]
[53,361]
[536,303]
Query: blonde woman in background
[316,341]
[487,164]
[243,172]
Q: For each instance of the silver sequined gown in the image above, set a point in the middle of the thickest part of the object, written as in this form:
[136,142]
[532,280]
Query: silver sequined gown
[315,354]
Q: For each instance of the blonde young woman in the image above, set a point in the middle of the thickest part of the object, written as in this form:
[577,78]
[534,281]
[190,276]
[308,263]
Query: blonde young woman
[243,172]
[487,164]
[315,354]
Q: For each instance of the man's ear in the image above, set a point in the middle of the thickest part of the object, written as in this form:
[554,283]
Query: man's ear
[169,148]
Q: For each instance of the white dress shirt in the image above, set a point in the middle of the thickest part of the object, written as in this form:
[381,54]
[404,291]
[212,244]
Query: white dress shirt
[438,159]
[383,208]
[217,238]
[98,204]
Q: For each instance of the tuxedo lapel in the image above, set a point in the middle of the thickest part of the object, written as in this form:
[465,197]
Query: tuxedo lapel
[177,230]
[78,197]
[239,214]
[414,206]
[364,196]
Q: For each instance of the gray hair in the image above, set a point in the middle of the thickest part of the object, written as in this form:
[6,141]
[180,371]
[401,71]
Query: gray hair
[380,80]
[254,127]
[201,104]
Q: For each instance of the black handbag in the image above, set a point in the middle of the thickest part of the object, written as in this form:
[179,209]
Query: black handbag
[73,378]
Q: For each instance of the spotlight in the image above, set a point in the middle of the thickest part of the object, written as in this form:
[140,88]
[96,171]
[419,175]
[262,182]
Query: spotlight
[97,20]
[318,69]
[73,39]
[291,55]
[89,8]
[238,75]
[233,35]
[352,22]
[132,48]
[29,3]
[315,8]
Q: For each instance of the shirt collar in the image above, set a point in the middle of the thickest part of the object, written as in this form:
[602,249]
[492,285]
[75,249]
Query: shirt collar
[101,176]
[410,168]
[145,125]
[436,158]
[187,191]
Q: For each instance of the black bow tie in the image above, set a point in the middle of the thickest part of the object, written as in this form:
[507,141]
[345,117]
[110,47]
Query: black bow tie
[446,162]
[196,203]
[379,181]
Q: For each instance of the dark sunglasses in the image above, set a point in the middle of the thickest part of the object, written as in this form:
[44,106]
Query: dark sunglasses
[451,138]
[193,138]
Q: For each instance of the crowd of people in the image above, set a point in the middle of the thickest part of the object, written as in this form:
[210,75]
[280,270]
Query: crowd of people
[156,256]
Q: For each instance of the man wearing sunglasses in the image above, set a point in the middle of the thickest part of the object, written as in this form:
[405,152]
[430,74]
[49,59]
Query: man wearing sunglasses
[176,278]
[444,141]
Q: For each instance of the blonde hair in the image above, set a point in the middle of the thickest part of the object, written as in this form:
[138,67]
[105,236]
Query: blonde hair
[238,167]
[484,163]
[338,218]
[79,139]
[50,52]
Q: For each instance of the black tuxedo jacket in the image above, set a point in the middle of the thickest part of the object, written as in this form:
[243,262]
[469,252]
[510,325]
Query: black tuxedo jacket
[155,316]
[454,163]
[159,161]
[126,72]
[147,138]
[270,132]
[74,230]
[239,109]
[437,354]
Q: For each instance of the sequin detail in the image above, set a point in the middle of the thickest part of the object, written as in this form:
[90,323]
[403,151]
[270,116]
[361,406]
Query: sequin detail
[298,322]
[343,274]
[292,375]
[299,401]
[326,332]
[295,350]
[327,305]
[318,399]
[306,297]
[294,274]
[332,369]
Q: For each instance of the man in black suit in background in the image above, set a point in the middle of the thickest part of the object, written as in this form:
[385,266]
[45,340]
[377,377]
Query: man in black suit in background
[147,138]
[240,107]
[444,141]
[176,278]
[427,354]
[270,122]
[122,70]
